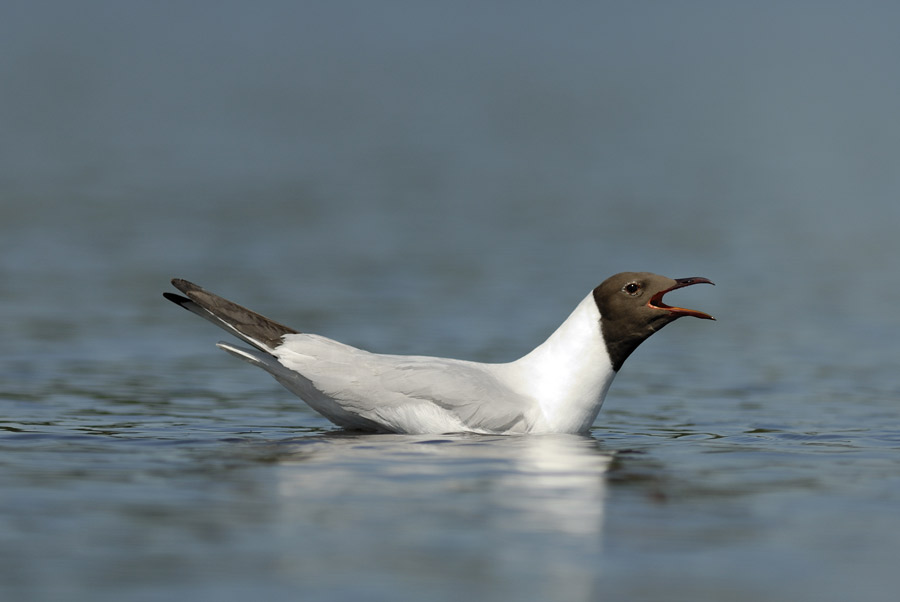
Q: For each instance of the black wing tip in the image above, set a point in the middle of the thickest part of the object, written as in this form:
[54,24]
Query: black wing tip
[259,331]
[177,299]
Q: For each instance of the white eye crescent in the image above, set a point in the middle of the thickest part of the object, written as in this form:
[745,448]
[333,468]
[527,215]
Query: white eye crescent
[632,288]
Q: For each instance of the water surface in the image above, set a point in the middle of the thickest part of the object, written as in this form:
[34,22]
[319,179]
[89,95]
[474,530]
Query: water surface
[449,181]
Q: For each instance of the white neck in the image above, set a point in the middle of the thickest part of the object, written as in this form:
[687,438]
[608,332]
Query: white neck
[569,373]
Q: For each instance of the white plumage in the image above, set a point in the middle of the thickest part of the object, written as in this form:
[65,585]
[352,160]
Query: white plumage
[557,388]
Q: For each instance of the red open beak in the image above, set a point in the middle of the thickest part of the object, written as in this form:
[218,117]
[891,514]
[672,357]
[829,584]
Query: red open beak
[657,300]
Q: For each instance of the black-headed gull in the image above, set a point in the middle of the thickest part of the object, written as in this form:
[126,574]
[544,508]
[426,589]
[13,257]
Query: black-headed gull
[557,388]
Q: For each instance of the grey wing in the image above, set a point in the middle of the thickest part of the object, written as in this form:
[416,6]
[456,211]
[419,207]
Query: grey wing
[466,391]
[374,386]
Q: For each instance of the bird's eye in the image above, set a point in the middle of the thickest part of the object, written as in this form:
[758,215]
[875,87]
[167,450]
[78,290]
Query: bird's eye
[632,288]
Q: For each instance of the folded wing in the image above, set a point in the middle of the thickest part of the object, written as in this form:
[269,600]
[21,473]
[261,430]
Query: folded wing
[406,393]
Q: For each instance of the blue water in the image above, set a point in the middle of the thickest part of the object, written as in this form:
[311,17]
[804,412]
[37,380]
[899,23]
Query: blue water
[448,180]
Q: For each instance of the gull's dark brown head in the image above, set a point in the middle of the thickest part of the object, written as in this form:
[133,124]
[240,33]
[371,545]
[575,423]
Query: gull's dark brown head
[632,308]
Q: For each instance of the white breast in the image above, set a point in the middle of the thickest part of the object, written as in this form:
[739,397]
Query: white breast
[568,375]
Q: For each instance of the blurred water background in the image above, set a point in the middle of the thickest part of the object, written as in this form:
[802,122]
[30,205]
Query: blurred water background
[449,179]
